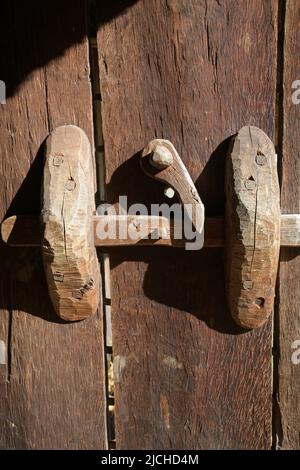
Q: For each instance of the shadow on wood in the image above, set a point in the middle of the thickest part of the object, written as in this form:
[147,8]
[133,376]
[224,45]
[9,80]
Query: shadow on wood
[178,278]
[38,35]
[21,268]
[43,34]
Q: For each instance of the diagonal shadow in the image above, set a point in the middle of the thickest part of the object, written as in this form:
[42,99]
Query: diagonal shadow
[22,267]
[32,34]
[39,33]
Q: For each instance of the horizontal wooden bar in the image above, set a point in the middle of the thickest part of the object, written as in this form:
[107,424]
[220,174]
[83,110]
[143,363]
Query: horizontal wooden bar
[25,231]
[151,230]
[290,230]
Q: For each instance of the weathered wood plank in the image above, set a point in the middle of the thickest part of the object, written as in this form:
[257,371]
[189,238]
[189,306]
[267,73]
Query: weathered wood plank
[192,72]
[52,391]
[25,231]
[287,421]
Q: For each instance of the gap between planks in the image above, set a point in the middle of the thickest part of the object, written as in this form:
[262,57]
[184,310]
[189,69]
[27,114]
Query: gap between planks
[103,257]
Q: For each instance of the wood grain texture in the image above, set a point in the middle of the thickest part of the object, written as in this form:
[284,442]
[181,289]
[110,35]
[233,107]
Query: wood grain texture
[252,227]
[68,205]
[52,392]
[287,430]
[193,72]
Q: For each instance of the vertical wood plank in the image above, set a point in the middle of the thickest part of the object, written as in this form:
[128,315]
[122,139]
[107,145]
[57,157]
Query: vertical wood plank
[193,72]
[287,431]
[52,391]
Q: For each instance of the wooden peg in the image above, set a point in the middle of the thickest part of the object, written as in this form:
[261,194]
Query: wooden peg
[161,161]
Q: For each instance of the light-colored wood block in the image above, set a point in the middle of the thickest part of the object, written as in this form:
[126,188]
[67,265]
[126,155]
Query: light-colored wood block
[69,254]
[252,240]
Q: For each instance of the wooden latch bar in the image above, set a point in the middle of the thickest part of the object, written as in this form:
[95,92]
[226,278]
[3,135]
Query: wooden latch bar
[252,227]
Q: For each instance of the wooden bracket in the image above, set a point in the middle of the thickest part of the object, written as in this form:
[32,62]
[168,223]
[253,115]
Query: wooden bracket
[252,227]
[68,203]
[252,231]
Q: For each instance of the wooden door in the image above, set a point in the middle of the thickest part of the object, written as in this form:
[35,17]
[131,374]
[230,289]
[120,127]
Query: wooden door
[52,382]
[185,377]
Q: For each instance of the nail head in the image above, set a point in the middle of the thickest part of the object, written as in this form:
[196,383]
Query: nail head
[261,159]
[70,185]
[248,285]
[250,184]
[58,277]
[77,294]
[57,160]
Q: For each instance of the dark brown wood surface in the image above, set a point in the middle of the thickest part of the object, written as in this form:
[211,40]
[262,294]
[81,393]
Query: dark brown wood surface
[287,422]
[52,385]
[193,72]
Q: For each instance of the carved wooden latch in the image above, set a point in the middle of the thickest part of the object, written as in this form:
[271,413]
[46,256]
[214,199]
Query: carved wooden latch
[251,232]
